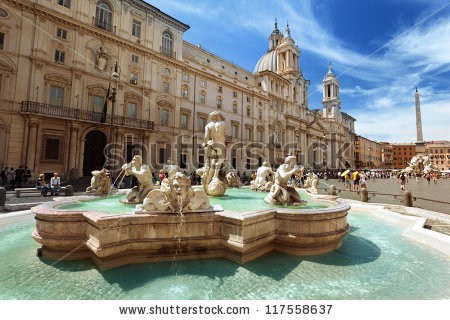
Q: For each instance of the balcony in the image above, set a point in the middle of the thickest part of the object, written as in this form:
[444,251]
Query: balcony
[47,110]
[168,52]
[103,25]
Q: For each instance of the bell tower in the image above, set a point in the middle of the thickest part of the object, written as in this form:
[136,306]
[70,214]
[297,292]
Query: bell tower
[275,37]
[331,102]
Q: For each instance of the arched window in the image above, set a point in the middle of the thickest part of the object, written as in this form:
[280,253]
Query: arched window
[167,44]
[103,16]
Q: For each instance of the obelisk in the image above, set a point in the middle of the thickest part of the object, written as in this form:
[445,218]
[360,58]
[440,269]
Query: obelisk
[420,144]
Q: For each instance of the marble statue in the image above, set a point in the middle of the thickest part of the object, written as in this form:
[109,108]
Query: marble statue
[171,170]
[102,59]
[100,183]
[333,190]
[179,197]
[233,179]
[421,164]
[312,182]
[144,176]
[263,180]
[214,146]
[281,193]
[307,184]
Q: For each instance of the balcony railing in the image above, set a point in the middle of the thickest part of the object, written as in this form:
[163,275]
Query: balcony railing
[82,115]
[103,25]
[168,52]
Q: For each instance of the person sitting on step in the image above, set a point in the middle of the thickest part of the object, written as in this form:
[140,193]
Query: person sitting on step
[42,185]
[55,182]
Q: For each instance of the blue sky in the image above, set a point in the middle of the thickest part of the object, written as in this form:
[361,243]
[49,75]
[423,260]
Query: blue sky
[381,50]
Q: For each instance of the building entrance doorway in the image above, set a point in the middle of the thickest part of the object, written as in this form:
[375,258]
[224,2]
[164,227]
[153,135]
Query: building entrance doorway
[94,158]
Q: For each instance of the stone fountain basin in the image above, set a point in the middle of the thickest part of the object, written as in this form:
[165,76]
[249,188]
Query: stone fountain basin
[114,240]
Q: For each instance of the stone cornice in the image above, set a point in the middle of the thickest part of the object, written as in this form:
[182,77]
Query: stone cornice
[274,75]
[158,13]
[48,13]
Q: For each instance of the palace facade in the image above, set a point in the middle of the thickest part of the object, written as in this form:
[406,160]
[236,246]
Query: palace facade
[59,59]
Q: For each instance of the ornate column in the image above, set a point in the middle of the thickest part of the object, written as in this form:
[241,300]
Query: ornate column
[26,131]
[145,148]
[32,139]
[73,147]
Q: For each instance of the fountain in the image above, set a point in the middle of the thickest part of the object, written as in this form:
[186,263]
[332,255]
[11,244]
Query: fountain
[202,230]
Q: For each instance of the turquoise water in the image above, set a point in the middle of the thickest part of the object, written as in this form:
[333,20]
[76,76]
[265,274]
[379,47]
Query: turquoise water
[374,262]
[236,200]
[246,200]
[108,205]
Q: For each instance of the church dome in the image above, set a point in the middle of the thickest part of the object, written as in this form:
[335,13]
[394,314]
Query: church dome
[268,62]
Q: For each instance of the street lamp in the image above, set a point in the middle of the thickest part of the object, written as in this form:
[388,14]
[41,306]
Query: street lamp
[369,156]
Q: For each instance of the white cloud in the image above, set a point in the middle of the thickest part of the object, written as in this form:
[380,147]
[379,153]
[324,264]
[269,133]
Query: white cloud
[379,87]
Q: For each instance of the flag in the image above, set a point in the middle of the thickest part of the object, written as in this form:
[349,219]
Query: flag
[105,105]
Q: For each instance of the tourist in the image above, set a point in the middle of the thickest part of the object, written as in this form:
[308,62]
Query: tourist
[347,185]
[3,179]
[19,176]
[363,180]
[403,180]
[162,176]
[11,178]
[355,178]
[27,174]
[55,183]
[435,177]
[428,177]
[41,184]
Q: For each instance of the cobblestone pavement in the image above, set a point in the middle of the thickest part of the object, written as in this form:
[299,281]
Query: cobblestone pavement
[438,194]
[383,190]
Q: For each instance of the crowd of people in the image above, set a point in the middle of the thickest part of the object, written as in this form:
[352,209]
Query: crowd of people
[11,178]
